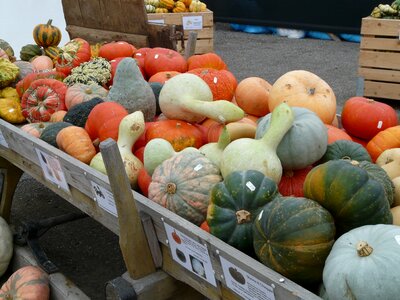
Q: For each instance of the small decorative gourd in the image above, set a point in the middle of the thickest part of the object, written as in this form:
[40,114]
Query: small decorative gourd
[293,236]
[10,111]
[187,97]
[197,6]
[6,246]
[251,154]
[8,72]
[179,6]
[364,264]
[130,129]
[168,4]
[304,143]
[150,9]
[46,35]
[235,204]
[182,184]
[131,91]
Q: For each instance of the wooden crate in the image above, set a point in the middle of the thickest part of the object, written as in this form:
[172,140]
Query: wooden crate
[203,22]
[144,227]
[379,59]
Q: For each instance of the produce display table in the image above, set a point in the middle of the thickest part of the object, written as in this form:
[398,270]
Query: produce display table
[152,238]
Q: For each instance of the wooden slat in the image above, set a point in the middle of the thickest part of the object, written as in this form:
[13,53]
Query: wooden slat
[176,18]
[382,90]
[98,36]
[202,46]
[91,13]
[384,60]
[379,74]
[381,27]
[386,44]
[205,33]
[72,12]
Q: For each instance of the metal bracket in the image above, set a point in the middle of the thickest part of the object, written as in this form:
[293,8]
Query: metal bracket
[28,233]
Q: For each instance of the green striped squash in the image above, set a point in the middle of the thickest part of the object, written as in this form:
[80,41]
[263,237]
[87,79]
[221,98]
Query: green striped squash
[46,35]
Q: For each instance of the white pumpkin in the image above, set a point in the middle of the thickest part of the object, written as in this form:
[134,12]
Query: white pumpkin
[6,246]
[364,263]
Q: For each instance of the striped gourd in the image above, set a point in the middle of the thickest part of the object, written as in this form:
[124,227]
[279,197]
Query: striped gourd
[150,9]
[46,35]
[52,52]
[161,10]
[155,3]
[168,4]
[197,6]
[179,7]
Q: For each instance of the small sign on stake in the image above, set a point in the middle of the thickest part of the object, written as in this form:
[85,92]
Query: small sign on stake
[52,170]
[104,198]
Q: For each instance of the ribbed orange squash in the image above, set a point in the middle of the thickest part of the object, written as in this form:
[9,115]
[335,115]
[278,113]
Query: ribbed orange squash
[46,35]
[386,139]
[182,184]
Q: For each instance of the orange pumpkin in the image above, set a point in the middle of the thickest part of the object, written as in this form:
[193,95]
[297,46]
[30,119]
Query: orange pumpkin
[304,89]
[163,76]
[386,139]
[58,116]
[252,95]
[221,82]
[292,182]
[34,129]
[335,134]
[29,282]
[42,62]
[75,141]
[206,60]
[113,50]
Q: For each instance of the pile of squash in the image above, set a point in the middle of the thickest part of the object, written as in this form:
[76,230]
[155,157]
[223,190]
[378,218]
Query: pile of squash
[264,167]
[174,6]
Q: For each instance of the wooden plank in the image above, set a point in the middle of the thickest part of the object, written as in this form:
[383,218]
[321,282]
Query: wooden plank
[379,74]
[159,35]
[152,240]
[91,13]
[374,43]
[380,27]
[384,60]
[132,240]
[205,33]
[176,18]
[382,90]
[61,288]
[72,12]
[202,46]
[98,36]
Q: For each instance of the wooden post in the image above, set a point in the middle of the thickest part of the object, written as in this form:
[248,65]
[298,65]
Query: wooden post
[191,44]
[132,240]
[10,176]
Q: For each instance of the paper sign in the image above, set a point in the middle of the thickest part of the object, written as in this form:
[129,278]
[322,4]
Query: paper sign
[3,141]
[52,169]
[104,198]
[244,284]
[190,254]
[161,21]
[192,22]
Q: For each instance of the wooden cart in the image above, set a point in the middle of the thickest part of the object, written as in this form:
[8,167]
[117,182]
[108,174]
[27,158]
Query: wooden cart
[154,270]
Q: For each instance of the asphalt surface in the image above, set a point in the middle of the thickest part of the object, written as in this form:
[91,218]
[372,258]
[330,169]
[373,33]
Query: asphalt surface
[85,251]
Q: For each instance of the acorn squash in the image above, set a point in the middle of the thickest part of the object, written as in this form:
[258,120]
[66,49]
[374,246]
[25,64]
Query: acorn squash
[344,149]
[235,204]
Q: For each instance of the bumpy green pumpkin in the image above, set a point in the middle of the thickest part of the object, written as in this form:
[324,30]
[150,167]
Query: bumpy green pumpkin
[364,264]
[182,184]
[28,52]
[78,114]
[349,193]
[305,142]
[344,149]
[234,205]
[8,72]
[293,236]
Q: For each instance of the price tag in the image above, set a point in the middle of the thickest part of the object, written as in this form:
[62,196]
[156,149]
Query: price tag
[52,170]
[104,198]
[250,186]
[198,167]
[3,141]
[245,285]
[380,123]
[192,22]
[190,254]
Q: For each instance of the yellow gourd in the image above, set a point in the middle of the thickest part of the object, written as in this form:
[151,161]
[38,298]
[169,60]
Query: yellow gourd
[10,93]
[161,10]
[168,4]
[197,6]
[10,111]
[179,7]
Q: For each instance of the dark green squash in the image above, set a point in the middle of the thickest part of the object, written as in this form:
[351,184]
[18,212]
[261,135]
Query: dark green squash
[49,134]
[380,175]
[78,114]
[28,52]
[234,205]
[349,193]
[293,236]
[344,149]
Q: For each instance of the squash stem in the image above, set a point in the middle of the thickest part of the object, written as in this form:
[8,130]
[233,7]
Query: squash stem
[363,249]
[224,139]
[221,111]
[243,216]
[281,121]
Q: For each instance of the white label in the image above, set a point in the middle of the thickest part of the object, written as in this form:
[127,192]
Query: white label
[397,238]
[104,198]
[198,167]
[215,80]
[250,186]
[380,123]
[3,141]
[156,56]
[192,22]
[52,169]
[161,21]
[260,215]
[245,285]
[190,254]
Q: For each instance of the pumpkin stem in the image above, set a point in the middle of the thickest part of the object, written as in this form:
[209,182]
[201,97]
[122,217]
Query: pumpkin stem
[363,249]
[243,216]
[88,91]
[49,22]
[346,157]
[311,91]
[171,188]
